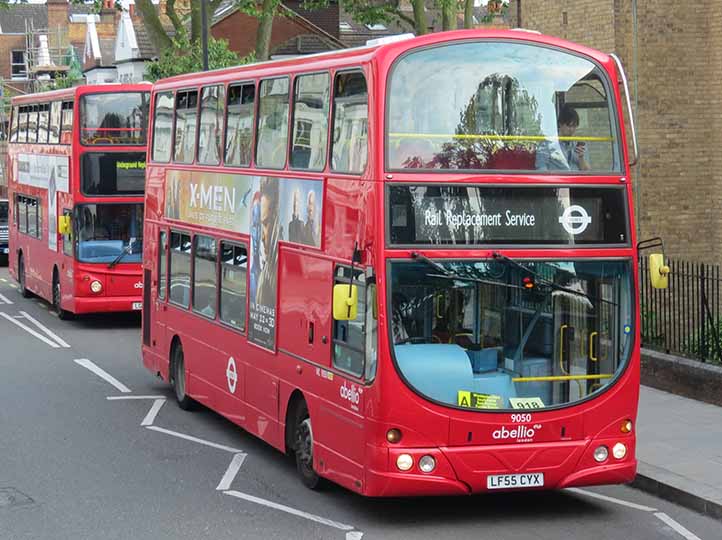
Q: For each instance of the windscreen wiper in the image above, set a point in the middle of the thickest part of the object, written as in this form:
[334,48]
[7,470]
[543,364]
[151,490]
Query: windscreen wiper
[555,286]
[127,249]
[446,274]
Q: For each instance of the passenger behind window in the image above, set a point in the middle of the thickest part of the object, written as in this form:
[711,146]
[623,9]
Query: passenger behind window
[564,154]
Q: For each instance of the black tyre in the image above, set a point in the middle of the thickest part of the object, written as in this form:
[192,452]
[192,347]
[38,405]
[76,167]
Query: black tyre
[303,444]
[21,278]
[178,379]
[63,315]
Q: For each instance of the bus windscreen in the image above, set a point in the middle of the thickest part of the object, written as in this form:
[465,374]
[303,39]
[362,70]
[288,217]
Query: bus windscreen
[114,119]
[116,173]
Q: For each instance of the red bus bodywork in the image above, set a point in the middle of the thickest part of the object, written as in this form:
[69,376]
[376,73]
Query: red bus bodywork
[43,263]
[260,389]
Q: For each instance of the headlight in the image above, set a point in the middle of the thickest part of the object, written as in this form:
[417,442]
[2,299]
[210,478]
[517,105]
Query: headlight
[427,464]
[619,450]
[96,286]
[601,453]
[404,462]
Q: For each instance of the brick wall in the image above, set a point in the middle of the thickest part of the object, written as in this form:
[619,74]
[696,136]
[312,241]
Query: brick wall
[673,57]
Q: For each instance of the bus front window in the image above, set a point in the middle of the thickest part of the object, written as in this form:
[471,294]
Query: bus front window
[500,106]
[114,119]
[502,334]
[108,231]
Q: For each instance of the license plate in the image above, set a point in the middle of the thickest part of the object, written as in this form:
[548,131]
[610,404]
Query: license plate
[515,481]
[137,305]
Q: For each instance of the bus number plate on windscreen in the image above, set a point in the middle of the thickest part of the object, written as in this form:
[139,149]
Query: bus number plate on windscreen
[515,481]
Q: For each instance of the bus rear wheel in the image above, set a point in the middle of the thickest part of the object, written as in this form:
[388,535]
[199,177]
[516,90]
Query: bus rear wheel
[178,378]
[303,440]
[21,278]
[63,315]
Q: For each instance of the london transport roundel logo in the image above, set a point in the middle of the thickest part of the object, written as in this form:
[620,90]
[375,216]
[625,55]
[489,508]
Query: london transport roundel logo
[231,375]
[575,219]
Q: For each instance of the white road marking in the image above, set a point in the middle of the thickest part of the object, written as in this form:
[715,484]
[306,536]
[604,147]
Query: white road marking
[47,330]
[289,510]
[676,526]
[30,331]
[87,364]
[3,280]
[194,439]
[231,472]
[152,413]
[612,500]
[113,398]
[5,300]
[354,535]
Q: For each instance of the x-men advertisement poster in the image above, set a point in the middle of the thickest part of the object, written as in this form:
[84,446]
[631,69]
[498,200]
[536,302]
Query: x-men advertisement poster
[269,209]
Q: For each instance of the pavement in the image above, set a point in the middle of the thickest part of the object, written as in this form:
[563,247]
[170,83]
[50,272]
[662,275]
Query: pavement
[679,450]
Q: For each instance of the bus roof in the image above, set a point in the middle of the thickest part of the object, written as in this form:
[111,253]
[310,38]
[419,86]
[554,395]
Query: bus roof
[386,52]
[80,90]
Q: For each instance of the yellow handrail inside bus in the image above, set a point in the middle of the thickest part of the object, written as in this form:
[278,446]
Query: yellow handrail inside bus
[563,378]
[493,137]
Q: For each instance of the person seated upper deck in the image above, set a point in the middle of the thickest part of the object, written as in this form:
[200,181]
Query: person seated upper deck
[564,154]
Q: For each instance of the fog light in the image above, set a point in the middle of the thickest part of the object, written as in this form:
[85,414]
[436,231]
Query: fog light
[619,450]
[601,453]
[96,286]
[427,464]
[627,426]
[404,462]
[393,435]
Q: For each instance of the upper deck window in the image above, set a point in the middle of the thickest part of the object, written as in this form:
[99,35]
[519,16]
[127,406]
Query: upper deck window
[310,122]
[66,122]
[210,135]
[239,124]
[54,128]
[500,106]
[163,126]
[272,143]
[14,125]
[349,150]
[114,119]
[186,125]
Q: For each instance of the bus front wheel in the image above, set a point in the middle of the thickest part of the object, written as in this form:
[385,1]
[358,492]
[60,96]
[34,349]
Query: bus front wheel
[304,449]
[63,315]
[178,378]
[21,277]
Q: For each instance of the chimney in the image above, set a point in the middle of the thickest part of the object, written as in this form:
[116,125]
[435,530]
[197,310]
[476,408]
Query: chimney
[107,12]
[58,15]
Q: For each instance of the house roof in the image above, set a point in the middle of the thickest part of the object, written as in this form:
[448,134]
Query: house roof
[146,49]
[304,44]
[13,17]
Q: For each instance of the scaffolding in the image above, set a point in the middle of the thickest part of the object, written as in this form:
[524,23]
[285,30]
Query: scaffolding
[48,54]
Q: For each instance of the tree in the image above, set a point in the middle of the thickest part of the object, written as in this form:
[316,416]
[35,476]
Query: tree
[184,57]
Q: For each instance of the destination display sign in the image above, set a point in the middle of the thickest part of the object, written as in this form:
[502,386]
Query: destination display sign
[462,215]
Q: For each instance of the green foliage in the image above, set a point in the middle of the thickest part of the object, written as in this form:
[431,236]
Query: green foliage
[64,81]
[495,7]
[185,57]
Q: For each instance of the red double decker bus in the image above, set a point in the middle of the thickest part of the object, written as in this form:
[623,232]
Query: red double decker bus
[76,173]
[411,264]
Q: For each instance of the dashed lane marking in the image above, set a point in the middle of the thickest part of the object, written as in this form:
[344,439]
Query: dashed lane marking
[113,398]
[612,500]
[47,330]
[231,472]
[5,300]
[152,413]
[87,364]
[194,439]
[30,331]
[676,526]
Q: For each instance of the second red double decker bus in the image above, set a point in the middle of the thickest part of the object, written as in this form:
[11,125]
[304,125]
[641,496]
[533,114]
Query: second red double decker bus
[76,175]
[413,264]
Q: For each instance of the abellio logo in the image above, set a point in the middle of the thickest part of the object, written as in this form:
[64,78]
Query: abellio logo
[518,432]
[350,394]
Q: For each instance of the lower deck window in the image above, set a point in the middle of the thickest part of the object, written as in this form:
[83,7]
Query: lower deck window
[234,260]
[180,268]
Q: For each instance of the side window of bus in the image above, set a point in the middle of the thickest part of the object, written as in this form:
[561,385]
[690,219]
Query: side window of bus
[204,274]
[210,133]
[66,130]
[54,128]
[33,124]
[163,127]
[21,214]
[162,264]
[310,121]
[349,340]
[23,124]
[28,212]
[186,124]
[43,122]
[239,124]
[272,133]
[180,268]
[234,260]
[14,125]
[68,238]
[349,149]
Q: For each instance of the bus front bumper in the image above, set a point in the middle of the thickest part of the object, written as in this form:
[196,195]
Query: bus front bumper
[104,304]
[466,470]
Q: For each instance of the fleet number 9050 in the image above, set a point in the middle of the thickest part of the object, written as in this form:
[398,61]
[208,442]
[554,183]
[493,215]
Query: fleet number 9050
[522,417]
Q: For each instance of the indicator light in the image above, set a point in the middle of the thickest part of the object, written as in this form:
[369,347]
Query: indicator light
[627,426]
[393,435]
